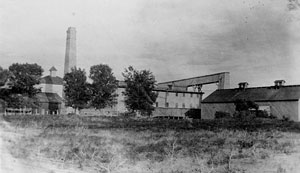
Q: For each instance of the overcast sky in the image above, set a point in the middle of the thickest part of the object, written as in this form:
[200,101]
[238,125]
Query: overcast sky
[256,41]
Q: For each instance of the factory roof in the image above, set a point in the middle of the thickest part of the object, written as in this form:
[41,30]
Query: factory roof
[49,98]
[271,93]
[52,80]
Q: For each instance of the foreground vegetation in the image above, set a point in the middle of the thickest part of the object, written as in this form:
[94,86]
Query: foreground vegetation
[124,144]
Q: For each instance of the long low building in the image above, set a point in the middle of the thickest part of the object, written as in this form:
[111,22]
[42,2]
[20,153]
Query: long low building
[278,100]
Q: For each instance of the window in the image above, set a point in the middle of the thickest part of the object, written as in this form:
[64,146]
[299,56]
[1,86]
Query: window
[191,94]
[176,94]
[183,94]
[191,105]
[156,104]
[183,105]
[167,104]
[176,105]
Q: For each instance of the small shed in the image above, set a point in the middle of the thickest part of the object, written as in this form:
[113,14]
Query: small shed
[278,100]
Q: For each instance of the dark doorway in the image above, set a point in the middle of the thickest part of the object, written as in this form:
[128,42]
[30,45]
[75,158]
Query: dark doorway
[53,108]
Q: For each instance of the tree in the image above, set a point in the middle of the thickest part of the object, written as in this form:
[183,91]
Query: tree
[243,108]
[293,5]
[5,78]
[139,90]
[245,105]
[5,83]
[17,85]
[26,76]
[76,89]
[103,86]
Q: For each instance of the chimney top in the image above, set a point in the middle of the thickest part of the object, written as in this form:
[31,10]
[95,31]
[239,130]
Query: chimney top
[170,86]
[279,83]
[71,29]
[243,85]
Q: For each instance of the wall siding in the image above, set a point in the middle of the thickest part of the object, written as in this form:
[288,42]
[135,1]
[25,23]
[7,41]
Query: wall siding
[172,99]
[279,109]
[51,88]
[208,110]
[172,112]
[283,108]
[299,110]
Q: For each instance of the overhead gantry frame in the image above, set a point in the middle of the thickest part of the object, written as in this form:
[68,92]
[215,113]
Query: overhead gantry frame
[222,80]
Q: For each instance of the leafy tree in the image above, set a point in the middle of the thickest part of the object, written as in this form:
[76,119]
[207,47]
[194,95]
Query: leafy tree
[5,78]
[245,105]
[139,90]
[26,76]
[103,86]
[20,101]
[17,85]
[293,5]
[5,83]
[243,109]
[76,89]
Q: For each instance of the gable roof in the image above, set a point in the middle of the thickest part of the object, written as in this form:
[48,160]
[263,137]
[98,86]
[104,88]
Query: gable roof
[52,69]
[49,98]
[52,80]
[284,93]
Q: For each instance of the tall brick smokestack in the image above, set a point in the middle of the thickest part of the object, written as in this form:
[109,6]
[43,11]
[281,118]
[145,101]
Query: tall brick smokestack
[70,58]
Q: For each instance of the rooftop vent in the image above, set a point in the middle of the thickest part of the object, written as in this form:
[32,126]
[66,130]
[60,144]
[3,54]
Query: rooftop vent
[279,83]
[52,71]
[243,85]
[171,86]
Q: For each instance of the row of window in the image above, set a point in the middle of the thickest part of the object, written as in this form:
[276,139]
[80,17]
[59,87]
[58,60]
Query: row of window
[183,94]
[176,105]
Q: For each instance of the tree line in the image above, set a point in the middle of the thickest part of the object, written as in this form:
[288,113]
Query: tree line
[18,87]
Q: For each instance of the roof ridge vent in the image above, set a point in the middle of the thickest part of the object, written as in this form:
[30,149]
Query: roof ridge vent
[52,71]
[279,83]
[243,85]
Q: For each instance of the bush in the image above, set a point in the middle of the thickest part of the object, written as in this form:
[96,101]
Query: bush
[221,115]
[262,114]
[244,115]
[285,118]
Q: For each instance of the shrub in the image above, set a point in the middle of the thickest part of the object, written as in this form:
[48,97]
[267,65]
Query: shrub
[286,118]
[262,114]
[220,115]
[244,115]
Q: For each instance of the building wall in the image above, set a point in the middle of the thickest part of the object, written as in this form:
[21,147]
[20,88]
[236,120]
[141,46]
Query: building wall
[51,88]
[180,102]
[44,109]
[172,112]
[121,101]
[2,107]
[208,110]
[177,99]
[283,108]
[299,109]
[109,111]
[279,109]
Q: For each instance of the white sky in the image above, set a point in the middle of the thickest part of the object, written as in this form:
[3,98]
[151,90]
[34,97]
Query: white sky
[256,41]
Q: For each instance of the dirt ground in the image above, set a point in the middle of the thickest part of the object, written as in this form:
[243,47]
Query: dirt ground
[278,163]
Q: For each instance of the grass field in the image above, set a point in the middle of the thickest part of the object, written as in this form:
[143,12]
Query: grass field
[124,144]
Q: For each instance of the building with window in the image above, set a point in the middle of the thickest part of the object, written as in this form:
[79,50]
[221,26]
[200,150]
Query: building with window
[51,97]
[278,100]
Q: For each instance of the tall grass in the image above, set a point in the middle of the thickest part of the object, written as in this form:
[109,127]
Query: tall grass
[119,144]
